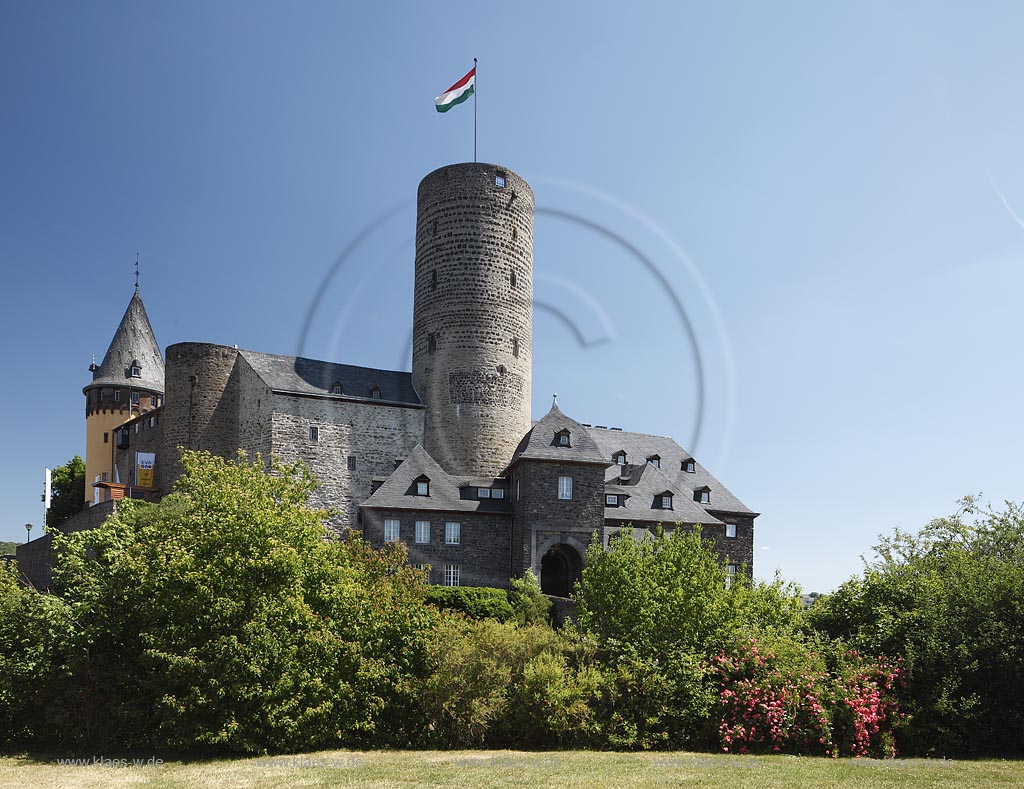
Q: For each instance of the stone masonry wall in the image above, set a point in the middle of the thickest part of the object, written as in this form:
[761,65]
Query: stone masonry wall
[375,435]
[542,519]
[482,553]
[473,315]
[201,405]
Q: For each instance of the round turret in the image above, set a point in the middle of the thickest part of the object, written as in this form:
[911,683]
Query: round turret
[473,314]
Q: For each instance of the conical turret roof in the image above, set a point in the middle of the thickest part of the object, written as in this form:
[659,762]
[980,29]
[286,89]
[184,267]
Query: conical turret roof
[134,345]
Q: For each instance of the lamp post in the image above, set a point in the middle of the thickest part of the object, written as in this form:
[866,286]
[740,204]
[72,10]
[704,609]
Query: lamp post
[28,531]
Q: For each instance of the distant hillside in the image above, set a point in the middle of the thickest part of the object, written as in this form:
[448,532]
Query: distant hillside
[7,547]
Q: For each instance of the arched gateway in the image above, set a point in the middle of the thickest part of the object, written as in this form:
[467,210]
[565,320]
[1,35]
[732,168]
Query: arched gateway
[560,569]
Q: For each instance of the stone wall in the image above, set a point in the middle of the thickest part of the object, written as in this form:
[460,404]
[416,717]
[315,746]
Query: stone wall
[36,558]
[543,520]
[375,435]
[482,553]
[473,315]
[201,405]
[145,434]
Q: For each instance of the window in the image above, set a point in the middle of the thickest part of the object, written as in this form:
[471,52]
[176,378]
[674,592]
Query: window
[421,566]
[136,371]
[390,530]
[483,493]
[702,495]
[689,466]
[519,490]
[422,532]
[565,488]
[337,389]
[135,398]
[375,393]
[497,493]
[423,487]
[351,462]
[433,280]
[611,501]
[117,395]
[619,458]
[730,575]
[563,438]
[666,502]
[730,530]
[431,343]
[152,421]
[156,401]
[515,347]
[655,461]
[452,534]
[451,575]
[499,180]
[106,438]
[512,274]
[314,434]
[137,427]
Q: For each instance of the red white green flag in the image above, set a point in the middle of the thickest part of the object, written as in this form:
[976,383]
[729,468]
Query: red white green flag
[457,93]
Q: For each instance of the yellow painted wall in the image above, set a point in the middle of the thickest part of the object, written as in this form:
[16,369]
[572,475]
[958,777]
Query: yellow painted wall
[99,457]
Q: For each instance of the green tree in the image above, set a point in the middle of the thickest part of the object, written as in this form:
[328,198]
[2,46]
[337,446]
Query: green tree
[530,604]
[67,492]
[949,601]
[227,616]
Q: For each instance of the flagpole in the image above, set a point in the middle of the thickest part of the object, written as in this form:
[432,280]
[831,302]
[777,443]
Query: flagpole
[474,109]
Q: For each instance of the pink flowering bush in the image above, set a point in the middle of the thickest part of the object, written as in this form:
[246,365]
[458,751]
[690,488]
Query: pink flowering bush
[837,704]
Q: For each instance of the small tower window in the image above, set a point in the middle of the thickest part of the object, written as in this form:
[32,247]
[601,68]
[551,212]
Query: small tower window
[117,395]
[433,279]
[499,179]
[515,347]
[512,278]
[690,466]
[136,369]
[135,398]
[375,393]
[336,388]
[106,438]
[431,343]
[351,462]
[314,434]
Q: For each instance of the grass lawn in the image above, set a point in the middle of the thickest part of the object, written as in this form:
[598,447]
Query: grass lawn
[516,768]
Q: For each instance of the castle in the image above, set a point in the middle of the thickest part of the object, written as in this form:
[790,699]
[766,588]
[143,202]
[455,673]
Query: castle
[445,459]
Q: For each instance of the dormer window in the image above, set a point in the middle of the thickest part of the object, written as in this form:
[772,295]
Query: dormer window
[689,466]
[702,495]
[655,461]
[611,500]
[664,501]
[483,493]
[136,369]
[336,388]
[423,486]
[619,458]
[375,393]
[562,438]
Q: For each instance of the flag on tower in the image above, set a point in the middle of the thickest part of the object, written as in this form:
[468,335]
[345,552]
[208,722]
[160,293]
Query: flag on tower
[457,93]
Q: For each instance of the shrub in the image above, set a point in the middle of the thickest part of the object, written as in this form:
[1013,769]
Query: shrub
[476,602]
[530,604]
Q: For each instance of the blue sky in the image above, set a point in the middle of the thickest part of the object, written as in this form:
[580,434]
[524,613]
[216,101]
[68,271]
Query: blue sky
[830,192]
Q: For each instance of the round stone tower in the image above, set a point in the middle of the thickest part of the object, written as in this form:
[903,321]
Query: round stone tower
[472,320]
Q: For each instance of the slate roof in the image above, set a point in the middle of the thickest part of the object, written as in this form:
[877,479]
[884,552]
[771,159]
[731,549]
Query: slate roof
[134,341]
[541,444]
[299,375]
[398,492]
[643,484]
[640,446]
